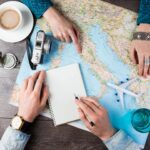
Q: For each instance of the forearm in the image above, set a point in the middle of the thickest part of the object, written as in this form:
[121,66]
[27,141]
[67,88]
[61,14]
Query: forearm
[38,7]
[121,141]
[144,12]
[13,140]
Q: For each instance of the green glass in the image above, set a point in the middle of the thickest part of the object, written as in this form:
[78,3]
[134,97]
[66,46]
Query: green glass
[141,120]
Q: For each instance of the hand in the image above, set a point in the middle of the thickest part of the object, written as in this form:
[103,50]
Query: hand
[33,97]
[62,28]
[90,110]
[140,51]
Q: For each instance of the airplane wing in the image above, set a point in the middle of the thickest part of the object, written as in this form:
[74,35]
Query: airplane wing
[124,85]
[121,89]
[122,102]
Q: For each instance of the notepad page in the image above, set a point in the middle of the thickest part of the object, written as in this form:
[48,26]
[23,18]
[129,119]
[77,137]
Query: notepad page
[63,83]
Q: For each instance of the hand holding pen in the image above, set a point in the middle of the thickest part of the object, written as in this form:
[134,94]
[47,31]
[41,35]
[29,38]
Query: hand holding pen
[95,117]
[91,122]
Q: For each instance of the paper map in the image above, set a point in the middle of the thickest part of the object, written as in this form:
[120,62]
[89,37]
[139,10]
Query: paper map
[106,32]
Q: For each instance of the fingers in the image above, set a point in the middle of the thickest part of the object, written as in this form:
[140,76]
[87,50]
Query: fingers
[25,84]
[60,37]
[140,55]
[91,100]
[140,64]
[149,70]
[87,114]
[95,101]
[39,82]
[85,108]
[67,37]
[31,81]
[83,118]
[44,96]
[74,36]
[146,66]
[132,54]
[78,36]
[92,106]
[77,33]
[68,34]
[64,37]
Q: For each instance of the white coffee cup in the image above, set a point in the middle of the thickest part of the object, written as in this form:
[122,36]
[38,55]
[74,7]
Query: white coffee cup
[10,19]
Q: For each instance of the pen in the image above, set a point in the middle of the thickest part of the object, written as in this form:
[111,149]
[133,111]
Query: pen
[76,97]
[91,122]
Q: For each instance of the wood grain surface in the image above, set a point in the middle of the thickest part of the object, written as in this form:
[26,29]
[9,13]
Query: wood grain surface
[44,135]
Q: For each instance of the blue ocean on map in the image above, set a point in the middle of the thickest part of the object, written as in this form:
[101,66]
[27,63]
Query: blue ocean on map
[113,64]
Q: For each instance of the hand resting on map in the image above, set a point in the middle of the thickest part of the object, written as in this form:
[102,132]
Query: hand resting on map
[140,51]
[62,28]
[90,110]
[33,96]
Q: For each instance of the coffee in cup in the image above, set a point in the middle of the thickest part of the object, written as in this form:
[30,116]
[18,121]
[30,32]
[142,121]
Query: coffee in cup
[10,19]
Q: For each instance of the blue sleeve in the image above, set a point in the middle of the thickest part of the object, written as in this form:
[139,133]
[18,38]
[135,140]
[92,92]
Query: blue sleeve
[144,12]
[121,141]
[38,7]
[13,140]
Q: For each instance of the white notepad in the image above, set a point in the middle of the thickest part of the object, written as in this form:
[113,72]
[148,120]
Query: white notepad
[64,83]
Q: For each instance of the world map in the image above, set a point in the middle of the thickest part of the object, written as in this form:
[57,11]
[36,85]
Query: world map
[106,32]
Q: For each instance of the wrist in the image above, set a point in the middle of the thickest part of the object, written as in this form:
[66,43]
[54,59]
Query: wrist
[27,118]
[108,135]
[18,123]
[143,28]
[50,13]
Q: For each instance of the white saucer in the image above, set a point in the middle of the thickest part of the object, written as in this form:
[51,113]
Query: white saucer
[21,34]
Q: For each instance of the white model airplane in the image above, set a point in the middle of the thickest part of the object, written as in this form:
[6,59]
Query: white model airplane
[121,89]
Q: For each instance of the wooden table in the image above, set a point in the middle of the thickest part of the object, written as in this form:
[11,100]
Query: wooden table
[44,135]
